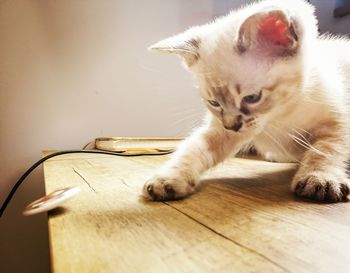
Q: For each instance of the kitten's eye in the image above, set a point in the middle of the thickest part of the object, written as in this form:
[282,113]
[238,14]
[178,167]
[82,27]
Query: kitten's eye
[214,103]
[254,98]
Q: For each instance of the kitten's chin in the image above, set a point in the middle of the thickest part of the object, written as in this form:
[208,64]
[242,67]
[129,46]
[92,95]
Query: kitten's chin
[252,125]
[255,128]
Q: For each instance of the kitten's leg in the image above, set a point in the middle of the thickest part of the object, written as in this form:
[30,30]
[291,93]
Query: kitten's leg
[323,172]
[180,176]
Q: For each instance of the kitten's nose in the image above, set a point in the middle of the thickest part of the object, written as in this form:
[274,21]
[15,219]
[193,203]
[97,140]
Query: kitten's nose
[236,126]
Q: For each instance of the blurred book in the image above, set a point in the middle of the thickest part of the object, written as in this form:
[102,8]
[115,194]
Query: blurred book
[137,145]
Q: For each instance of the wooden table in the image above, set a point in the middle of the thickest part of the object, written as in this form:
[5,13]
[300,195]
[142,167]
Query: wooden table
[243,219]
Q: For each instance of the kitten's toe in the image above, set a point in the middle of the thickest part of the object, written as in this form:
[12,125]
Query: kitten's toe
[322,187]
[167,188]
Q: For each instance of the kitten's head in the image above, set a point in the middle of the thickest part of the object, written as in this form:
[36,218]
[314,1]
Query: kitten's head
[249,63]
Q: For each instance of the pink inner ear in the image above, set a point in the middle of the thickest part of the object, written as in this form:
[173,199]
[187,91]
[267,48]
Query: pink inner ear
[274,28]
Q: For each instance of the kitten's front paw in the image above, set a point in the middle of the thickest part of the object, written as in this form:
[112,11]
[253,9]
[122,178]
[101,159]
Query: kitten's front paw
[322,186]
[161,188]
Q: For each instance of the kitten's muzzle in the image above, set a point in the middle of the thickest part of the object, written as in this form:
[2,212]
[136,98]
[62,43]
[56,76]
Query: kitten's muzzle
[236,126]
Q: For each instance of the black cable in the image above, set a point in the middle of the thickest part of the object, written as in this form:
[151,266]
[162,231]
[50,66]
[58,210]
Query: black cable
[36,164]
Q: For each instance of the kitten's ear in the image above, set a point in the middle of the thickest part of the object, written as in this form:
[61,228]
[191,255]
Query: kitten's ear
[272,32]
[181,45]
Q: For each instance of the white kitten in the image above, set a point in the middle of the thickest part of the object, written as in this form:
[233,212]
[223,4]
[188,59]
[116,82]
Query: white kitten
[270,81]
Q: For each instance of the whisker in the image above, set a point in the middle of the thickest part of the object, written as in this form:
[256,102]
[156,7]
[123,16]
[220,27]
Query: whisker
[301,129]
[278,144]
[281,146]
[306,145]
[301,135]
[299,141]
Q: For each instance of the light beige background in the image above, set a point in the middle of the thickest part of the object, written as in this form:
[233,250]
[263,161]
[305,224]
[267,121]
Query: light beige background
[73,70]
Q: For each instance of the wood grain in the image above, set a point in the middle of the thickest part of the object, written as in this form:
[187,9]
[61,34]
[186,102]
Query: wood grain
[243,219]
